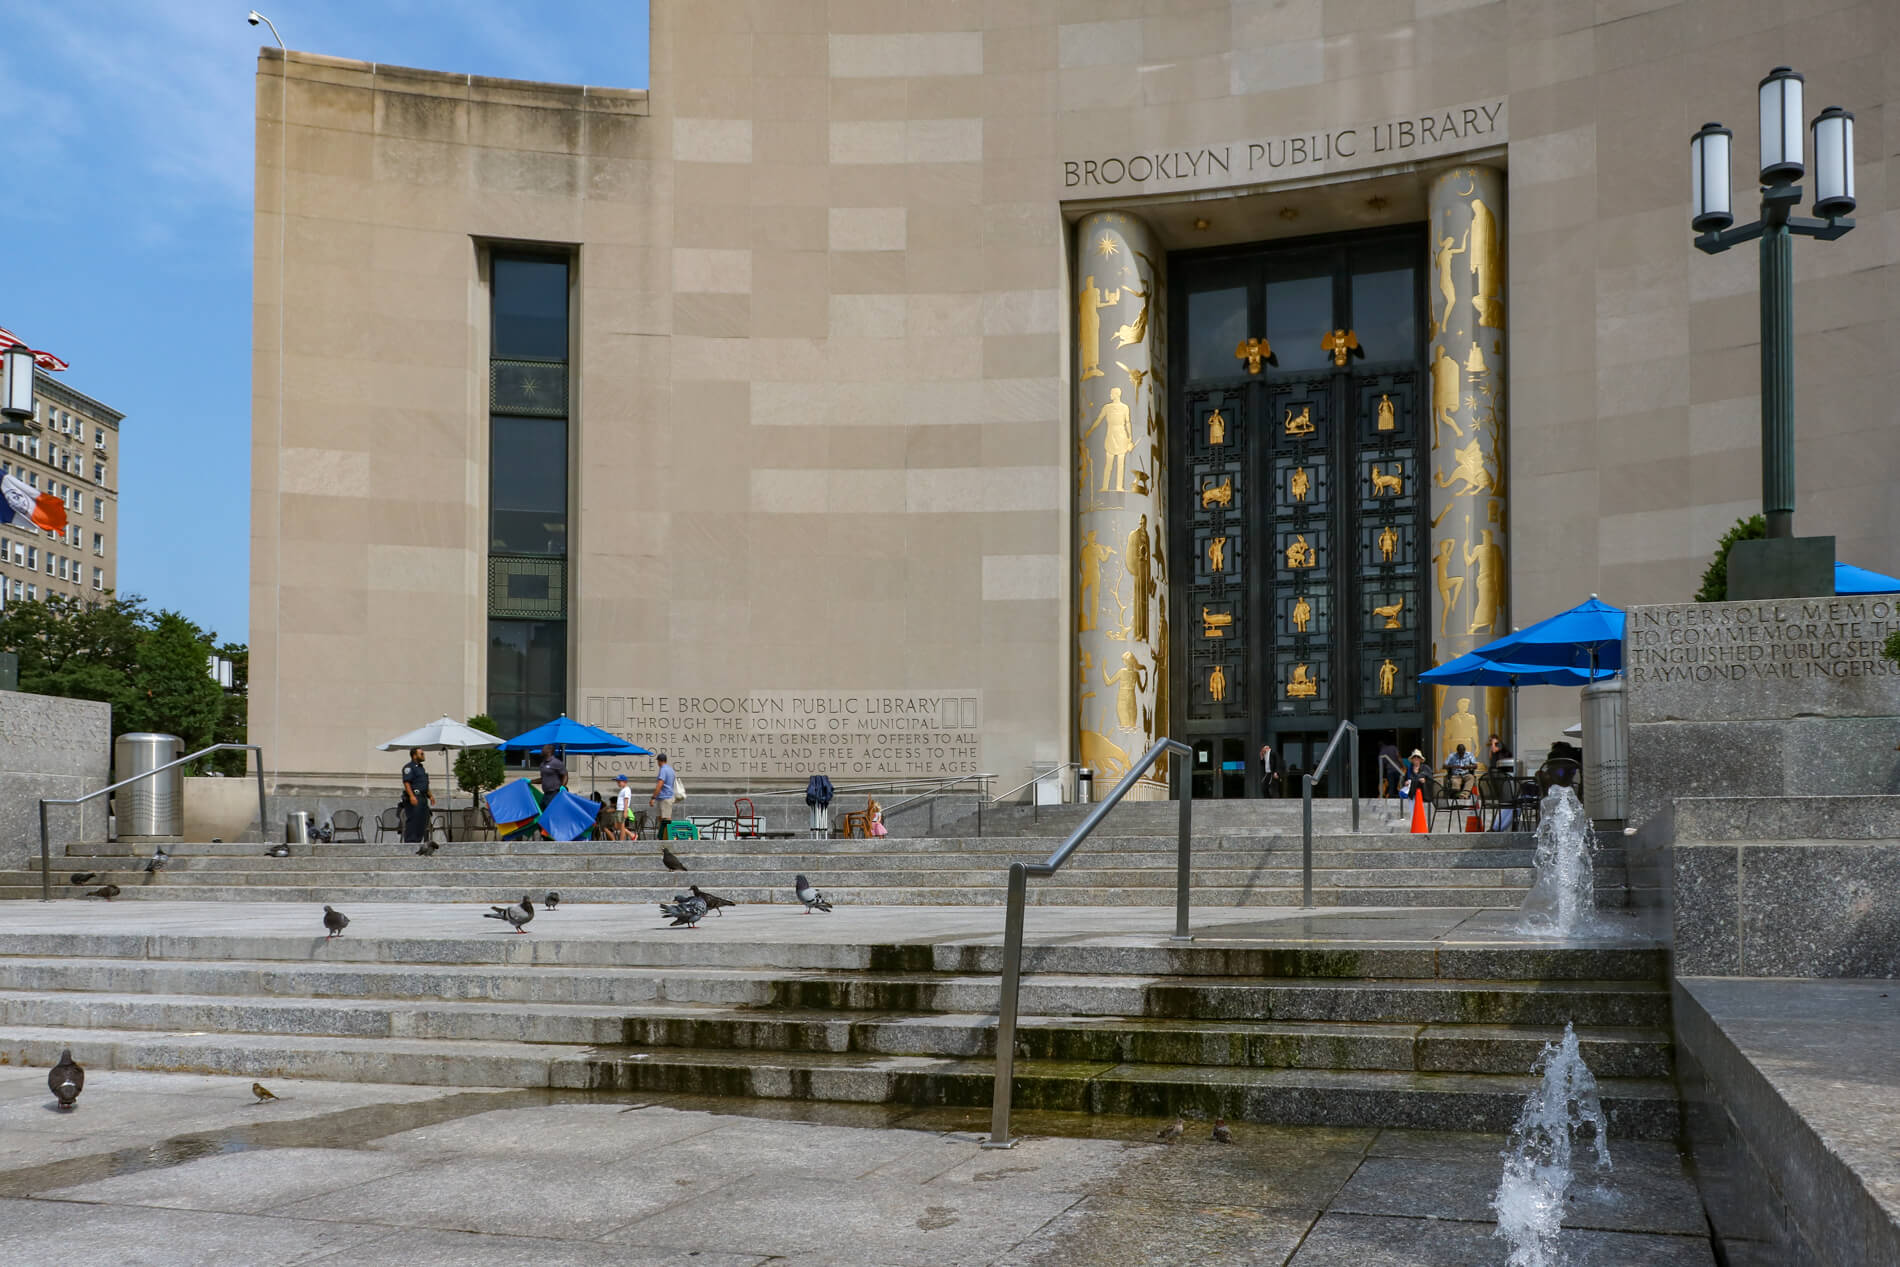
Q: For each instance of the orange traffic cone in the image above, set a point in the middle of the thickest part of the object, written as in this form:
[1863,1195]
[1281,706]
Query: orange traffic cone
[1421,826]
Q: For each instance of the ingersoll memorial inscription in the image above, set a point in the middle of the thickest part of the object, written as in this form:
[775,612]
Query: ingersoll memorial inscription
[1783,658]
[794,734]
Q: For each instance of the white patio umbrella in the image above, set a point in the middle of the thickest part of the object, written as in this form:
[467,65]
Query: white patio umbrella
[443,735]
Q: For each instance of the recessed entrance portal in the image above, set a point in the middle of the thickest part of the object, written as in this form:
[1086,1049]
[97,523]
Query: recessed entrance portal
[1297,512]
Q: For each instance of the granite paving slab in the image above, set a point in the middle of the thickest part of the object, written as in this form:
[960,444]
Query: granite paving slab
[1116,1231]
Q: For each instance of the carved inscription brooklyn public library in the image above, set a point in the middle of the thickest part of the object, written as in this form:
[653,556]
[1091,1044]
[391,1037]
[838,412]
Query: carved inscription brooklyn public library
[796,734]
[1429,134]
[1787,640]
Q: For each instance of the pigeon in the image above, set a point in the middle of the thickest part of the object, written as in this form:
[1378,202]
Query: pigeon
[159,859]
[1221,1134]
[552,901]
[278,851]
[262,1092]
[811,897]
[686,910]
[108,892]
[82,878]
[671,859]
[516,915]
[712,900]
[336,921]
[1172,1132]
[66,1079]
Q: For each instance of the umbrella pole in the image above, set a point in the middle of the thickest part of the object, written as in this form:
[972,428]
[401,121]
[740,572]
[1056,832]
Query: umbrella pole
[1517,738]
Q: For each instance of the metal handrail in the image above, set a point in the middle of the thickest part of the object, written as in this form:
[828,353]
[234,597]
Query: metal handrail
[934,787]
[1000,797]
[1306,804]
[46,858]
[1019,873]
[982,782]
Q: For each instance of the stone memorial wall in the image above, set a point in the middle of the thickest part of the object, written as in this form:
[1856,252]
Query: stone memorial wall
[795,734]
[53,748]
[1786,697]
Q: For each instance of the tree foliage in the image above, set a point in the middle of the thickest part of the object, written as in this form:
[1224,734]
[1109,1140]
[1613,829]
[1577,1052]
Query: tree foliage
[479,769]
[1715,576]
[152,667]
[1892,649]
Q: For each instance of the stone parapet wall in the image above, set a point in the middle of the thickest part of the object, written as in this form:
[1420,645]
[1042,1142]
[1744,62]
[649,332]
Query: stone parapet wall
[50,747]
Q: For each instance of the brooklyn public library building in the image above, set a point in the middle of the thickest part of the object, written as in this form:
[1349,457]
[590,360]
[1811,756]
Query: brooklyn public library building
[921,387]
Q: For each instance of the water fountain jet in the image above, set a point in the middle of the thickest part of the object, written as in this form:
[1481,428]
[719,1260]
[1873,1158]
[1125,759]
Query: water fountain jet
[1563,897]
[1537,1164]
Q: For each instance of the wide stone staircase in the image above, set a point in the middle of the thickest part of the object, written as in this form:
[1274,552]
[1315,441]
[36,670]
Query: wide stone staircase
[1245,854]
[1422,1035]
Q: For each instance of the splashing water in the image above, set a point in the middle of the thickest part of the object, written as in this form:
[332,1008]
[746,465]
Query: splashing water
[1563,897]
[1536,1181]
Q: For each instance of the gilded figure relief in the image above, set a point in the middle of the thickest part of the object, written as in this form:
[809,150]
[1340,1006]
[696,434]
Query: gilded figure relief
[1118,440]
[1221,494]
[1470,471]
[1216,429]
[1217,554]
[1485,564]
[1388,677]
[1341,343]
[1088,315]
[1300,424]
[1300,485]
[1214,624]
[1128,682]
[1217,683]
[1393,483]
[1390,613]
[1388,542]
[1299,554]
[1252,351]
[1449,587]
[1109,758]
[1301,685]
[1302,614]
[1447,294]
[1474,361]
[1388,417]
[1137,330]
[1093,554]
[1135,377]
[1447,393]
[1460,728]
[1486,261]
[1137,561]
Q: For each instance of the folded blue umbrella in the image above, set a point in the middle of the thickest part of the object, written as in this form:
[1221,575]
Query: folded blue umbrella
[567,816]
[514,807]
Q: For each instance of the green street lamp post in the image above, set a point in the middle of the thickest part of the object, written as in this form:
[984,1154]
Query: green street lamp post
[1782,165]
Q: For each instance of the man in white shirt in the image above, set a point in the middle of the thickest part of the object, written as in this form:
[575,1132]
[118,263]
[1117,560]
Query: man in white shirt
[618,825]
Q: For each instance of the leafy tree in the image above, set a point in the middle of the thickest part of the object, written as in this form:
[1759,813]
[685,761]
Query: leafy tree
[1715,576]
[1892,649]
[234,720]
[479,769]
[70,649]
[172,687]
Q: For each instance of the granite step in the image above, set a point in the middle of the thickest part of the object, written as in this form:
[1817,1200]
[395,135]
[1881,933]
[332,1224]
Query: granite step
[1642,1108]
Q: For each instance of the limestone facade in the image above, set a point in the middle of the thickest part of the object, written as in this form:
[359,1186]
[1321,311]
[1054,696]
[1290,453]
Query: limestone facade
[825,280]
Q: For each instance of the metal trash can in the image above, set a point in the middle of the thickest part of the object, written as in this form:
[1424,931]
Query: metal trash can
[1606,751]
[297,827]
[153,807]
[1084,785]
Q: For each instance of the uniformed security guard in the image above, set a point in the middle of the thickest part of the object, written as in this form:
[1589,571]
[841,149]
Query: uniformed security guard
[415,803]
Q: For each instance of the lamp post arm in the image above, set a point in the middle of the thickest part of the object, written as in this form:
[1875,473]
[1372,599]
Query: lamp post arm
[1826,230]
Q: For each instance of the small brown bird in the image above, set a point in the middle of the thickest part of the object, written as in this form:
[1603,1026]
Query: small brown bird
[671,859]
[108,892]
[262,1092]
[1221,1134]
[1171,1133]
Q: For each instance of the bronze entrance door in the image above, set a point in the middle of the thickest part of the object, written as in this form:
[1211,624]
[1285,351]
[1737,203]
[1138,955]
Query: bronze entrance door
[1296,511]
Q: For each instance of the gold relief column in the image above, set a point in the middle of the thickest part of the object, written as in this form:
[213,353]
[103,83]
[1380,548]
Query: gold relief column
[1470,518]
[1121,586]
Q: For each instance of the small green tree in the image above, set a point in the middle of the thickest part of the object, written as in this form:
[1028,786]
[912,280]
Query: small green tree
[1892,649]
[1715,576]
[234,720]
[172,687]
[479,769]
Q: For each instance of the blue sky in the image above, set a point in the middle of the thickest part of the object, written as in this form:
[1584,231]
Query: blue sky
[127,214]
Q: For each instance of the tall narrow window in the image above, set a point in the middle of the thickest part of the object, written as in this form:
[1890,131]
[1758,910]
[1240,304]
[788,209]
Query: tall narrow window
[527,490]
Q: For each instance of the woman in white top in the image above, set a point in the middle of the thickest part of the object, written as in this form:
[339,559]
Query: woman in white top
[620,825]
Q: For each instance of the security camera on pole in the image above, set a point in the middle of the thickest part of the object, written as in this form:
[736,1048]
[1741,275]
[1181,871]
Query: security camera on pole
[1784,565]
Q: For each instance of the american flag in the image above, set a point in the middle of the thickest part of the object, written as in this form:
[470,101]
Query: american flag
[45,360]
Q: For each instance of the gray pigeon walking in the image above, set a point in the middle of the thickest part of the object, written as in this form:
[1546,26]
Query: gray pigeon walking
[82,878]
[517,915]
[552,901]
[336,921]
[712,900]
[106,891]
[1172,1132]
[159,859]
[66,1079]
[671,859]
[685,910]
[812,898]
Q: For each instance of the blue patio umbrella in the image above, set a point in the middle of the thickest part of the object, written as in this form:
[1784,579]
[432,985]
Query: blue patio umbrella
[567,816]
[1473,669]
[1849,579]
[1588,636]
[577,739]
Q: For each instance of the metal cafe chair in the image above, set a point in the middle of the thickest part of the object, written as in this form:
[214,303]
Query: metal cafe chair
[1447,799]
[389,823]
[346,823]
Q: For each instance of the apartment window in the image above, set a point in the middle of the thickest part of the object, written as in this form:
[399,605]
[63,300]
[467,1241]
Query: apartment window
[32,593]
[99,543]
[33,558]
[98,472]
[99,509]
[98,578]
[63,574]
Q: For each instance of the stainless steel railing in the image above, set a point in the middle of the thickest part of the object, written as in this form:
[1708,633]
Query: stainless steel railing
[1019,873]
[1306,802]
[46,859]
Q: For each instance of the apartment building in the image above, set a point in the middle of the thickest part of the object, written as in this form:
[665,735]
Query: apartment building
[73,453]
